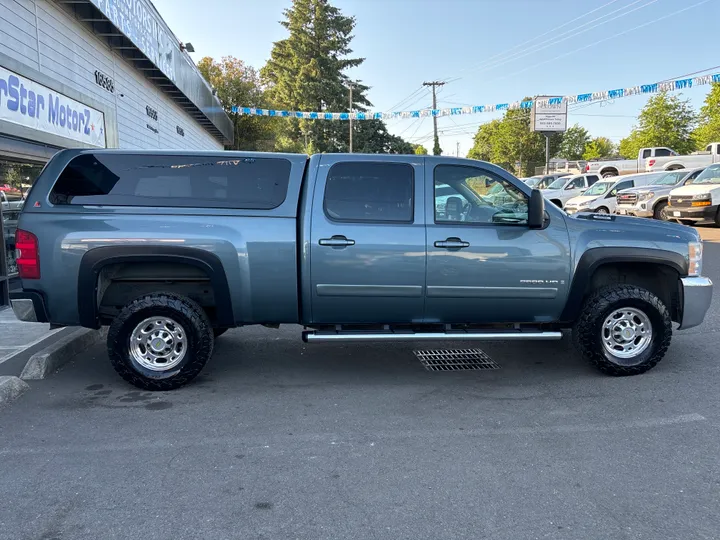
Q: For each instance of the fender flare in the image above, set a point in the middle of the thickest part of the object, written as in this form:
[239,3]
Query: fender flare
[593,258]
[96,259]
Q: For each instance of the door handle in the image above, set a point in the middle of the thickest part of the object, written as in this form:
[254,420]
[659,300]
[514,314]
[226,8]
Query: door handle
[452,243]
[336,241]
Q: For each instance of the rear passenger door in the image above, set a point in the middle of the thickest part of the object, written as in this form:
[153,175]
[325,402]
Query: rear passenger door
[367,240]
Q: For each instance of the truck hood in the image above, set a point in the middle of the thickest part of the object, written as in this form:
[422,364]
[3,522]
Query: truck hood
[646,189]
[695,189]
[647,226]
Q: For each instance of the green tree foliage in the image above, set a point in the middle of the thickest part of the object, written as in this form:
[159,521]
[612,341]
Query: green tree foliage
[509,141]
[573,143]
[419,149]
[239,84]
[665,120]
[708,129]
[437,151]
[306,72]
[597,148]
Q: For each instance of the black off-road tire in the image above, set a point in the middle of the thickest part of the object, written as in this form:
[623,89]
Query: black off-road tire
[187,313]
[587,331]
[659,211]
[219,331]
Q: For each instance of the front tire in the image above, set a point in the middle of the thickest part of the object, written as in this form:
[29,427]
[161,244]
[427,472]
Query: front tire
[623,330]
[661,211]
[602,210]
[160,341]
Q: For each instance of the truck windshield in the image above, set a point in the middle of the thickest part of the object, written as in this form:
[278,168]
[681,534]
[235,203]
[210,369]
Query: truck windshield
[599,188]
[711,175]
[670,179]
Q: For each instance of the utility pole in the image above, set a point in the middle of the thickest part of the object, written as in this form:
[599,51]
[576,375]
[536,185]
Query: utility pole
[457,148]
[351,125]
[547,153]
[436,141]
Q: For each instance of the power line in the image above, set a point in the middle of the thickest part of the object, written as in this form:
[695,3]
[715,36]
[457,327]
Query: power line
[566,35]
[614,36]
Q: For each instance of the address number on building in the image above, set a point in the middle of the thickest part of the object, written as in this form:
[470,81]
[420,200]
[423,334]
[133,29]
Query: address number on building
[104,81]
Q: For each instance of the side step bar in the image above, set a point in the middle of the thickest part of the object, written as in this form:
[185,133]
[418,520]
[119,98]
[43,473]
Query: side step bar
[312,336]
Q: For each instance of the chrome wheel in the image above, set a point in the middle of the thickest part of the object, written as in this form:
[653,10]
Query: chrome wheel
[626,334]
[158,343]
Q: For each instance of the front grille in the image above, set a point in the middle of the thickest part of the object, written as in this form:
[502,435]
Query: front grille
[627,198]
[455,359]
[679,201]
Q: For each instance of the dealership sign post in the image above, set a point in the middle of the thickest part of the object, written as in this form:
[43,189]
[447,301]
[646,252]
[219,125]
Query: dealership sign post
[548,116]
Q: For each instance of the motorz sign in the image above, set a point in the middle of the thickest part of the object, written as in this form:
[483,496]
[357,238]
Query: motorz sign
[27,103]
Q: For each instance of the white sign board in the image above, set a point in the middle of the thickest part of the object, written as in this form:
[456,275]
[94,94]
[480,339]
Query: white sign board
[547,116]
[29,104]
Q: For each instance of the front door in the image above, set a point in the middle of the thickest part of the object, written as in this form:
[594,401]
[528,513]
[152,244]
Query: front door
[484,263]
[367,240]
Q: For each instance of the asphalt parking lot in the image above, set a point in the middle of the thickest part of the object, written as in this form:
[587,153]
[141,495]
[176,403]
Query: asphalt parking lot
[278,439]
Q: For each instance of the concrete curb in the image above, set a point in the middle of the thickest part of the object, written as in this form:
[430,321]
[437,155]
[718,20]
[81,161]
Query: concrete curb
[11,388]
[59,353]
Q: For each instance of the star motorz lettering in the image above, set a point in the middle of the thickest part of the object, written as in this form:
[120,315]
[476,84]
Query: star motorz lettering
[15,97]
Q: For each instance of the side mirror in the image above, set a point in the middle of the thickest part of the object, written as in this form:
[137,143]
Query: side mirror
[536,210]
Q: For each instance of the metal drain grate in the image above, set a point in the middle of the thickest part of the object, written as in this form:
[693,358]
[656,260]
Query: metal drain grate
[455,359]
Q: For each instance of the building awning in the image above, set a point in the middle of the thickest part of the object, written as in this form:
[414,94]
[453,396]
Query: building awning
[136,32]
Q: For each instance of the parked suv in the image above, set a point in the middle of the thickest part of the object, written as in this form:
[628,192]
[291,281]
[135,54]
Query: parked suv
[652,200]
[170,249]
[601,196]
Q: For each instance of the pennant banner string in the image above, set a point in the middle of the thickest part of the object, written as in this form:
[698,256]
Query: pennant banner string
[667,86]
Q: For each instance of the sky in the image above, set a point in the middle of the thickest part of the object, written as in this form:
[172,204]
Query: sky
[488,51]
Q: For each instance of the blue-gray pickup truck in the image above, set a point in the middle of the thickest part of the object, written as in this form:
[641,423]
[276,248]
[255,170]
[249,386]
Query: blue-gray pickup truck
[170,249]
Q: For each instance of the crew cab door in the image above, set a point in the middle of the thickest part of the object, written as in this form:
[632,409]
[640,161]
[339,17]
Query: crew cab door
[367,240]
[484,263]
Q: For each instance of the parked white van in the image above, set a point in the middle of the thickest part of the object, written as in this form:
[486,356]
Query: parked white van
[601,197]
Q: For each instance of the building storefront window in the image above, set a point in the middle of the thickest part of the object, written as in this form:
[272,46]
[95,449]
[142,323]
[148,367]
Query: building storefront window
[16,179]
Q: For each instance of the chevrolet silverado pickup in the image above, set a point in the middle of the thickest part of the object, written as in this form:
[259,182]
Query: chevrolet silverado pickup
[170,249]
[608,168]
[710,155]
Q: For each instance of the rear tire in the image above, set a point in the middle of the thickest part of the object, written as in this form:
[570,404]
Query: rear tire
[660,211]
[609,174]
[602,210]
[599,333]
[160,341]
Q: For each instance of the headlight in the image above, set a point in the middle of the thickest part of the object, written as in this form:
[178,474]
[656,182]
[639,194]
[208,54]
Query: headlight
[695,250]
[646,196]
[584,204]
[702,197]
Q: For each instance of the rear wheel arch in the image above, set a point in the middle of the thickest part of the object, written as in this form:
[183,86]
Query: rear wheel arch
[96,260]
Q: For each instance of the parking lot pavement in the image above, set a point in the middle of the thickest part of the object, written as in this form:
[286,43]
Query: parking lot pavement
[277,439]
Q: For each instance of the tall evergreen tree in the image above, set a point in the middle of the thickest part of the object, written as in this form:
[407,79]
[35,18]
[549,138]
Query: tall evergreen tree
[306,72]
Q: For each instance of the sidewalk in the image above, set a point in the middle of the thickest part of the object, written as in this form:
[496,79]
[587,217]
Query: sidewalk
[16,336]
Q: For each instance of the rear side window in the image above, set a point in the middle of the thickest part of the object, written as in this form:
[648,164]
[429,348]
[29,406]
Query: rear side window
[367,191]
[592,178]
[173,181]
[646,153]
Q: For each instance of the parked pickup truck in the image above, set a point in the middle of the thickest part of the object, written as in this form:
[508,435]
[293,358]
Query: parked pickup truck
[652,200]
[698,201]
[170,249]
[696,159]
[619,167]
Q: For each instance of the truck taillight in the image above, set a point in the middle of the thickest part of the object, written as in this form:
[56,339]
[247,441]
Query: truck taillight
[27,256]
[587,168]
[651,162]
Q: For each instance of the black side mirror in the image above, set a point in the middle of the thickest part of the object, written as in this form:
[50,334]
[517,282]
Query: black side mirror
[536,210]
